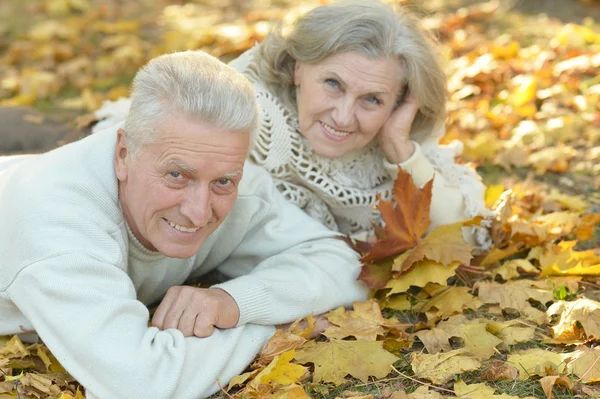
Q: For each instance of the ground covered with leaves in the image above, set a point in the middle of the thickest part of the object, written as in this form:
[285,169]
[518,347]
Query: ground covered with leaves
[518,320]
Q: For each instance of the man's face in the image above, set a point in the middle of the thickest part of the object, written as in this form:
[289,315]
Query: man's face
[181,186]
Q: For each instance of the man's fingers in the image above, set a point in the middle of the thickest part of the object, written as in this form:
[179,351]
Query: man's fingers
[187,323]
[158,320]
[204,326]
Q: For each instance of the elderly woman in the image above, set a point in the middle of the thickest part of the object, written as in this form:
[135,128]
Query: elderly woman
[350,92]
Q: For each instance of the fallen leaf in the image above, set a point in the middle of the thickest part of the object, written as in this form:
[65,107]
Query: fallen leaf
[336,359]
[550,381]
[406,218]
[537,362]
[581,312]
[442,367]
[420,275]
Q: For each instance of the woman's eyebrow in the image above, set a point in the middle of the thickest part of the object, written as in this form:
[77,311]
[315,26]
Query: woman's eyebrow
[343,83]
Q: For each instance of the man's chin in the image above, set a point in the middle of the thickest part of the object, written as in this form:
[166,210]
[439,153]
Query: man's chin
[180,251]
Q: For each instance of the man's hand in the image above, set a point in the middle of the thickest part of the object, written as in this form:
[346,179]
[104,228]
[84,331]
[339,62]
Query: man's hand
[394,136]
[196,311]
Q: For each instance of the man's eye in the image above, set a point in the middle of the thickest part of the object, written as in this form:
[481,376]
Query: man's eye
[175,175]
[223,181]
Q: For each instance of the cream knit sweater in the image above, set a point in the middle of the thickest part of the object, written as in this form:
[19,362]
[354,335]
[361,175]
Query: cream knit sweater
[341,193]
[71,270]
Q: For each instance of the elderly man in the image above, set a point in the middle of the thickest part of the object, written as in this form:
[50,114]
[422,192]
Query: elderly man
[94,231]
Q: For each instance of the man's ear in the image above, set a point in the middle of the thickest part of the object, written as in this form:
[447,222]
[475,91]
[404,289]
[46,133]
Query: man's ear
[122,156]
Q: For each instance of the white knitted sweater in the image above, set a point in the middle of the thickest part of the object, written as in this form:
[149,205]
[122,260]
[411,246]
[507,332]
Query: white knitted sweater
[342,192]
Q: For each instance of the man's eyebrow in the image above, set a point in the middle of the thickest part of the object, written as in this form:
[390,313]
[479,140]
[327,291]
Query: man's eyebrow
[232,174]
[181,166]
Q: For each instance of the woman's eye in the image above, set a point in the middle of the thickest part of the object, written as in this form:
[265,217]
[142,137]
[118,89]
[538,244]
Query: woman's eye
[332,83]
[373,100]
[175,175]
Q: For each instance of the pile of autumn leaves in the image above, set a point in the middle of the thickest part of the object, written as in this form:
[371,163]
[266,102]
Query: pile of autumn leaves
[436,278]
[408,271]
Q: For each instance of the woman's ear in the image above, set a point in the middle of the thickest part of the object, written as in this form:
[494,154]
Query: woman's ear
[297,71]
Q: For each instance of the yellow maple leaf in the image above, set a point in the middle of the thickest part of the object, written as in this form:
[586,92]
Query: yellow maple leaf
[422,273]
[448,302]
[581,312]
[585,364]
[480,391]
[336,359]
[537,362]
[493,193]
[442,367]
[445,244]
[509,269]
[279,371]
[550,381]
[511,331]
[562,259]
[14,348]
[424,392]
[515,294]
[478,341]
[364,323]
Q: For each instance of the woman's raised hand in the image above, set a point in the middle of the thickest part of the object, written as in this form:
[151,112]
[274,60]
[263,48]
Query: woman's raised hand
[394,136]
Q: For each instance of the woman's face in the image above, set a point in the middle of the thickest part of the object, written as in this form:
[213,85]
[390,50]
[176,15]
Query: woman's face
[344,100]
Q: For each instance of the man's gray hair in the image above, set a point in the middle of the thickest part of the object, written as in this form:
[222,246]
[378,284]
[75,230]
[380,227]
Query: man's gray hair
[371,28]
[189,84]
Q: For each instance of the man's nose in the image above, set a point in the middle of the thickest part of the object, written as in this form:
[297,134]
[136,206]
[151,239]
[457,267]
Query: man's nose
[343,113]
[197,205]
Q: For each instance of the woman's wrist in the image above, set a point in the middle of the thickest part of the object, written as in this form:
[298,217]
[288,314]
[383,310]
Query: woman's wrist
[398,152]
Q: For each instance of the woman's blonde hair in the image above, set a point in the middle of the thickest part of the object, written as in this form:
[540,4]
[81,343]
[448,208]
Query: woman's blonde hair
[370,28]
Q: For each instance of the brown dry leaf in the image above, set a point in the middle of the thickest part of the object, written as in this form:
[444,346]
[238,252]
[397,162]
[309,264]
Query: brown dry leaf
[336,359]
[279,343]
[406,218]
[376,275]
[538,362]
[364,323]
[584,312]
[497,370]
[437,339]
[550,381]
[442,367]
[585,230]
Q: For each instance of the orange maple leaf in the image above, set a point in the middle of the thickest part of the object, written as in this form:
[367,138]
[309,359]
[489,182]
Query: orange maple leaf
[406,218]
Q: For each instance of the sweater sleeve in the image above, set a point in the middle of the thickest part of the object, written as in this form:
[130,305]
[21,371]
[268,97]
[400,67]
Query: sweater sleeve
[86,311]
[289,266]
